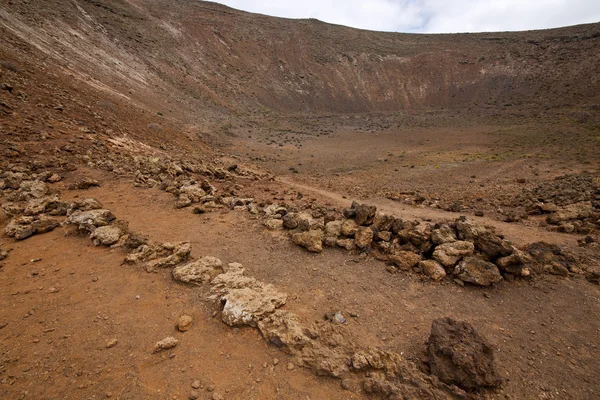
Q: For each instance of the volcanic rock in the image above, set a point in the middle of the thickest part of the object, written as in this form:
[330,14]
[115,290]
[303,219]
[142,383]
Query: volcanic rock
[165,344]
[448,254]
[311,240]
[364,213]
[349,228]
[404,260]
[433,269]
[443,234]
[477,271]
[459,355]
[106,235]
[201,271]
[184,323]
[363,237]
[90,220]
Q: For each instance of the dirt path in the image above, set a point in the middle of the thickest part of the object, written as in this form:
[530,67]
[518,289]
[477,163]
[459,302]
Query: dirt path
[58,313]
[517,233]
[60,336]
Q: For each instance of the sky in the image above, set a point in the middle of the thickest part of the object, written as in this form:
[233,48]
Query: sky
[432,16]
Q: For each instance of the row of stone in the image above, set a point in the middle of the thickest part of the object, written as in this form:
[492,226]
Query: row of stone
[466,251]
[244,300]
[324,347]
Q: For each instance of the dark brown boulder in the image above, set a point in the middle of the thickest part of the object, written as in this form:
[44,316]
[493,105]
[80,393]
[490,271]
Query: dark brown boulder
[364,214]
[459,356]
[493,246]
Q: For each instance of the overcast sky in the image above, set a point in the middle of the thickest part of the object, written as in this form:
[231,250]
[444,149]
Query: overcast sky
[432,16]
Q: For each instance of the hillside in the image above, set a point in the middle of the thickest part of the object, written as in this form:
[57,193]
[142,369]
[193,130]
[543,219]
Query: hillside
[205,56]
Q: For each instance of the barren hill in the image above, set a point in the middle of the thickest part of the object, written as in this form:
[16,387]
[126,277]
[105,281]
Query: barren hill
[200,55]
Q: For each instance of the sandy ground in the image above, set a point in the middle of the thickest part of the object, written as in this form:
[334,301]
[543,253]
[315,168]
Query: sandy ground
[61,311]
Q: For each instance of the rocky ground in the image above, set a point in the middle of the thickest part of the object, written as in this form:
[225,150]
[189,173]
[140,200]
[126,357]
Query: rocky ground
[427,254]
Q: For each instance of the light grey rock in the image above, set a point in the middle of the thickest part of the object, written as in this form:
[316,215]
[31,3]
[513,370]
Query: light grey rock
[201,271]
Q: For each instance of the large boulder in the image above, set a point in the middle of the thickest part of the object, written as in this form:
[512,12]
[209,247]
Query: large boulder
[44,224]
[333,229]
[477,271]
[84,183]
[20,228]
[420,237]
[176,253]
[400,224]
[12,180]
[12,209]
[448,254]
[183,201]
[459,355]
[275,211]
[283,329]
[201,271]
[307,222]
[311,240]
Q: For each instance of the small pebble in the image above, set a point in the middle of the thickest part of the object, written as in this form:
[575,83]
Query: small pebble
[196,384]
[184,323]
[193,395]
[111,343]
[345,384]
[290,366]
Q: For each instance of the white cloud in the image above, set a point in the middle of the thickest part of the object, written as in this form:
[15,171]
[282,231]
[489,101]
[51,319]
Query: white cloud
[432,16]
